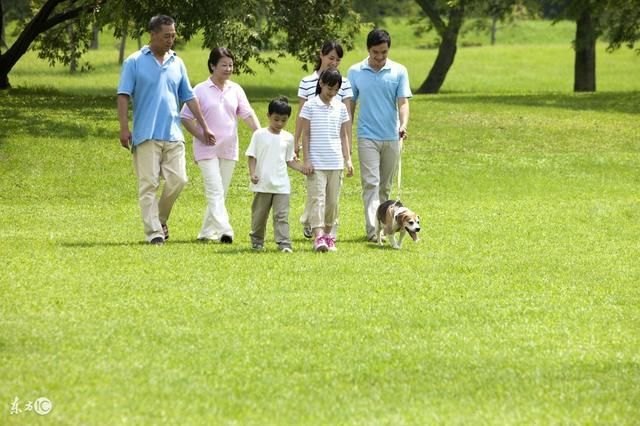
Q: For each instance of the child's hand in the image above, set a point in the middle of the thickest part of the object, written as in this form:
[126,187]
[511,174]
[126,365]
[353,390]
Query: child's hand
[349,168]
[307,168]
[254,179]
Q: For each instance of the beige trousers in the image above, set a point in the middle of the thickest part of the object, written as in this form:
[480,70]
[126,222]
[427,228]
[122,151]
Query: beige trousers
[378,166]
[323,193]
[153,160]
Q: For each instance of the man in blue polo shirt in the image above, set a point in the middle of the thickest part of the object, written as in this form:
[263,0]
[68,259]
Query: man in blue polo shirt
[156,81]
[381,87]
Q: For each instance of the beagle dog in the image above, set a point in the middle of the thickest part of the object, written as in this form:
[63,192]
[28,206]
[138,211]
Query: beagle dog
[393,217]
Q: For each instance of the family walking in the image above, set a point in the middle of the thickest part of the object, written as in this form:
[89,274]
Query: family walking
[155,81]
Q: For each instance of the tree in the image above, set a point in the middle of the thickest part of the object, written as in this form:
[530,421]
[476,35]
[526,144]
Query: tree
[447,17]
[52,13]
[288,26]
[618,20]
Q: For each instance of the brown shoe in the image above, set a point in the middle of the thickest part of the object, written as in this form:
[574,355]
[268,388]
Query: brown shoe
[165,229]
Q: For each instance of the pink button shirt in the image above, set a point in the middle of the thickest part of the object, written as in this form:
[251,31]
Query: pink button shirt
[221,109]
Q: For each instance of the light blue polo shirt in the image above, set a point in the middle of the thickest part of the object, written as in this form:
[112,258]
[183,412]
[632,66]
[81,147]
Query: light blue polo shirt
[378,93]
[156,92]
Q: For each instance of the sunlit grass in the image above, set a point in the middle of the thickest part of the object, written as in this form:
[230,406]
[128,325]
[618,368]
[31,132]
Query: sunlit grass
[520,304]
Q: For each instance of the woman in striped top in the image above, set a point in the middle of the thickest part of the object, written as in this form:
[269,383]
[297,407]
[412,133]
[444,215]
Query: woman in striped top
[329,56]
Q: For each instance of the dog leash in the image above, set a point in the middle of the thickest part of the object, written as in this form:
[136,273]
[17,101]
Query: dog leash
[399,193]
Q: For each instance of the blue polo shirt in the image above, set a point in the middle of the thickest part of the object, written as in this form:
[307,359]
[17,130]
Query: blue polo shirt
[378,94]
[156,92]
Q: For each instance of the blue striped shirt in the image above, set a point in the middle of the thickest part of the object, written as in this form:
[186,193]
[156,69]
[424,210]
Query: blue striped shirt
[325,145]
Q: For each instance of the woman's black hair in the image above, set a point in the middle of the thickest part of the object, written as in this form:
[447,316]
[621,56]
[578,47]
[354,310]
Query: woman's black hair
[217,54]
[280,106]
[330,77]
[327,47]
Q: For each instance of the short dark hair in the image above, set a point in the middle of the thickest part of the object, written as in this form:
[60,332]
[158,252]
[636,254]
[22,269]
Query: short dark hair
[280,106]
[217,54]
[156,23]
[327,47]
[330,77]
[378,36]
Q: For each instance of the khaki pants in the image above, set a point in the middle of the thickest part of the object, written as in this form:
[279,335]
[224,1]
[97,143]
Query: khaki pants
[323,193]
[262,203]
[378,166]
[152,160]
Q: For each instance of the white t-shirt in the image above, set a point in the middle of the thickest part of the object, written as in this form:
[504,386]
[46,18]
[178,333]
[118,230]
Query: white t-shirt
[325,145]
[271,152]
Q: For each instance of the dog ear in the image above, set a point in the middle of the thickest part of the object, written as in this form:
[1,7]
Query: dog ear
[401,217]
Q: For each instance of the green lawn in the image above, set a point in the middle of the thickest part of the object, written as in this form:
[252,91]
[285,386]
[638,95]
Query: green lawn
[520,305]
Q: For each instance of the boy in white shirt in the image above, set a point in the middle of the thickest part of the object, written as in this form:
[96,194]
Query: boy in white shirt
[270,151]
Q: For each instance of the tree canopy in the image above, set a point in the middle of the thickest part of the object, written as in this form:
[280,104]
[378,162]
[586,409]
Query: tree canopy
[291,27]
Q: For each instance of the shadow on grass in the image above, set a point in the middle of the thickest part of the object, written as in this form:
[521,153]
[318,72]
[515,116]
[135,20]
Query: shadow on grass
[619,102]
[229,249]
[46,112]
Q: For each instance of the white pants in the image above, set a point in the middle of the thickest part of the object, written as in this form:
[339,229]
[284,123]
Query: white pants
[378,166]
[152,160]
[216,174]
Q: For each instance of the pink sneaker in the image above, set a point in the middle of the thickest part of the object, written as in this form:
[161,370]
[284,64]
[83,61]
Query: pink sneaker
[331,243]
[320,244]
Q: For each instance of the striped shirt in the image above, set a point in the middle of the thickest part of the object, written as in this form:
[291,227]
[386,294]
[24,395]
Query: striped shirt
[307,88]
[325,145]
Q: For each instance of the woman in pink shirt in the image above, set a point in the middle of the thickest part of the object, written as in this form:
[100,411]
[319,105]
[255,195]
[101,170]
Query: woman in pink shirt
[222,102]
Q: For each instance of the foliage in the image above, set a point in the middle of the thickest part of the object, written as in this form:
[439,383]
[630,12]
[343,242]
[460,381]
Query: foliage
[62,29]
[617,20]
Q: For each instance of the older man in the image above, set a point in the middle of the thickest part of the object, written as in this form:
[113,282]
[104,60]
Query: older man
[156,81]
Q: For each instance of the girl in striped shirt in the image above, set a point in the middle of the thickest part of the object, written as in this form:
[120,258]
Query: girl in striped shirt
[325,123]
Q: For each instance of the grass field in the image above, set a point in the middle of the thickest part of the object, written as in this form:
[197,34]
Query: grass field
[520,305]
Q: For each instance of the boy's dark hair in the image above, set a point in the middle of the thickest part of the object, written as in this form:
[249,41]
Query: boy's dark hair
[216,54]
[330,77]
[156,23]
[378,36]
[280,106]
[327,47]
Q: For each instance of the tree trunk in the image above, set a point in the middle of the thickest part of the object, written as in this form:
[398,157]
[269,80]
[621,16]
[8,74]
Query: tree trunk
[446,52]
[73,64]
[494,25]
[123,45]
[585,61]
[2,29]
[95,41]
